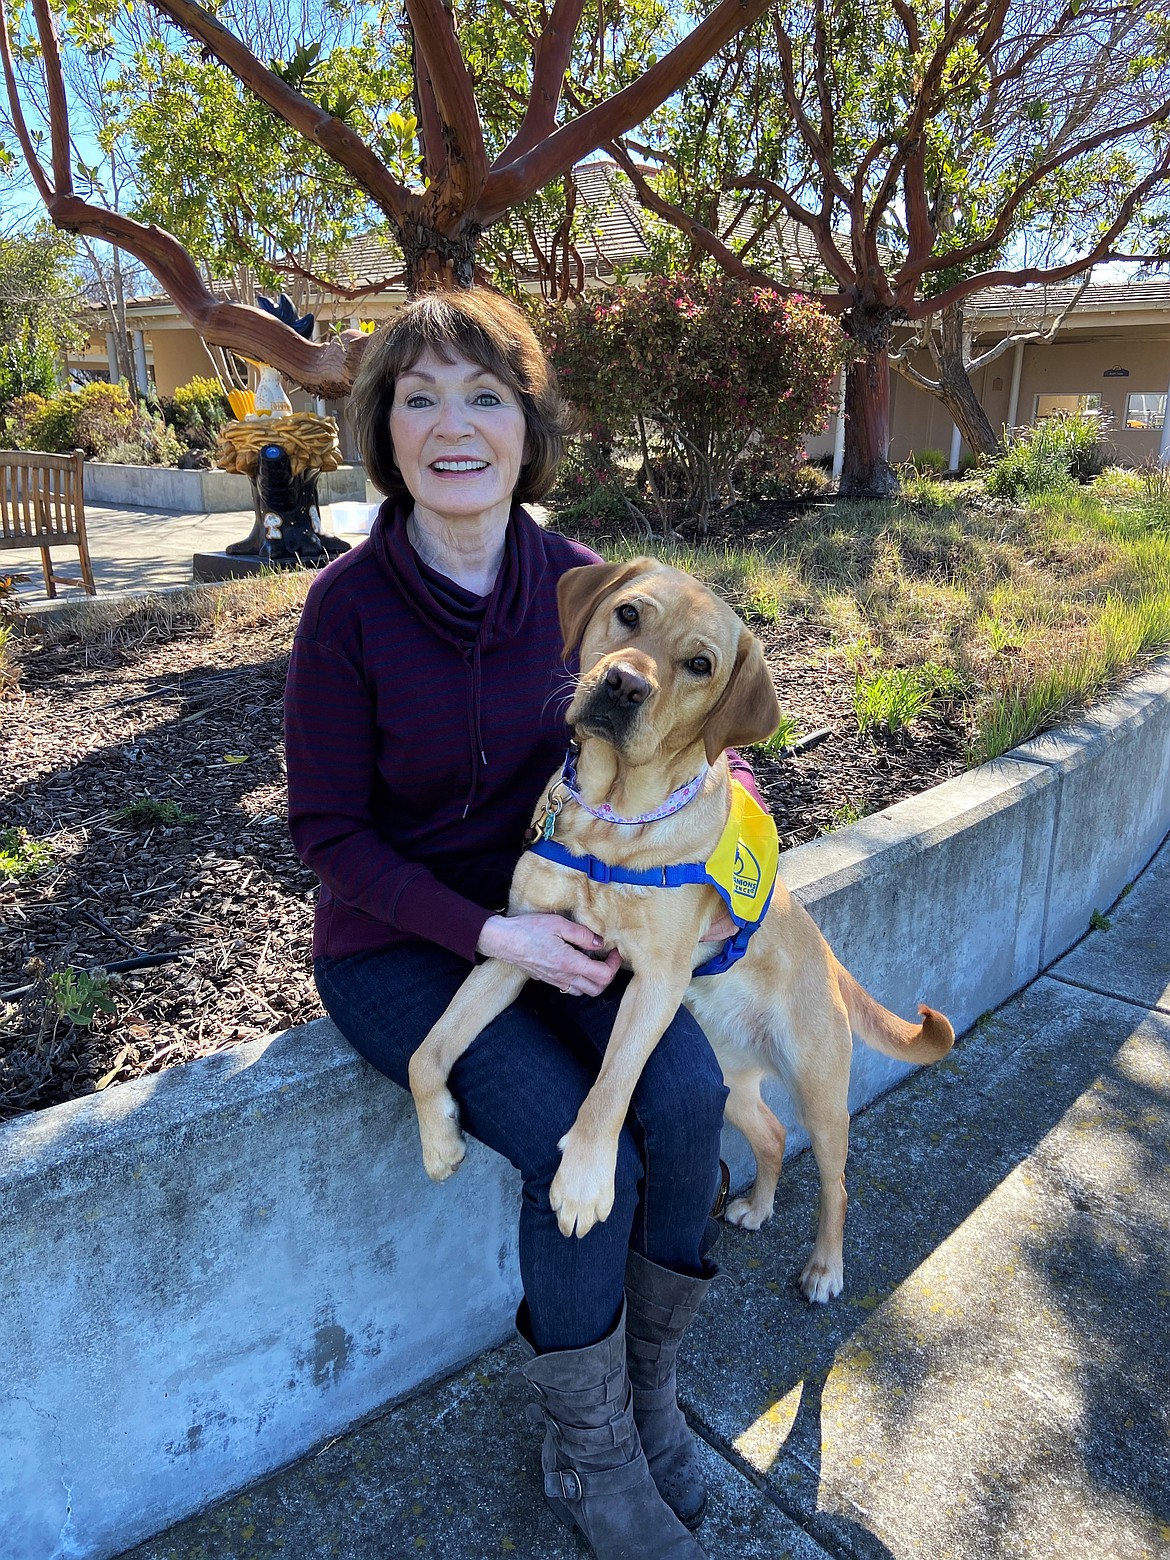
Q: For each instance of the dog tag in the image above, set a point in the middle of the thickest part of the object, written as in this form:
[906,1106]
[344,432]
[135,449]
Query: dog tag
[550,823]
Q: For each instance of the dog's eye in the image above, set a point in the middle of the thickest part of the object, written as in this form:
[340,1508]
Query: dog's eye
[627,614]
[700,665]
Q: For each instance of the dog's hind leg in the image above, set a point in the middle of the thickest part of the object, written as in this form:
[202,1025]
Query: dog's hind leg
[818,1080]
[484,995]
[766,1137]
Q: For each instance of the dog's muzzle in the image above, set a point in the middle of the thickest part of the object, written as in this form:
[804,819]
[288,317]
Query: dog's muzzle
[616,699]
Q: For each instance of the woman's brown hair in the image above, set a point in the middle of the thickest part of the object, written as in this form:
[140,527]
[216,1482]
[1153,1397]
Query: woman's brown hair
[485,328]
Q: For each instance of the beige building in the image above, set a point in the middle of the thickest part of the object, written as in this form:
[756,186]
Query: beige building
[1111,354]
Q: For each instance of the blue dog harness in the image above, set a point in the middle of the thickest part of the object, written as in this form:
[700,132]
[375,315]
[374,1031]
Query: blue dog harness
[741,868]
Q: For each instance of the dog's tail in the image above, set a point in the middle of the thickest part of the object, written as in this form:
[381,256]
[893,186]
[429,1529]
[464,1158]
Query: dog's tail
[886,1032]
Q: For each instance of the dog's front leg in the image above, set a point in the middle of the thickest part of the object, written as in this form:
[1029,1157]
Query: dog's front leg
[582,1191]
[484,995]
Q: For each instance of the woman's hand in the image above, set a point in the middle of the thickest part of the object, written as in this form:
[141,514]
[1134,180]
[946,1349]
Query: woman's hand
[553,949]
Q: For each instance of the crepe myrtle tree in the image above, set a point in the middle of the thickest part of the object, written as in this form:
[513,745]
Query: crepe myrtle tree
[436,218]
[912,145]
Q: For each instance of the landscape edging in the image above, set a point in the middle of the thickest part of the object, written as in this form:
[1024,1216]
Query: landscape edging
[111,485]
[207,1271]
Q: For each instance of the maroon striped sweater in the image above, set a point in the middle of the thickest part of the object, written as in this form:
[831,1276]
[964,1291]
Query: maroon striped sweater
[417,747]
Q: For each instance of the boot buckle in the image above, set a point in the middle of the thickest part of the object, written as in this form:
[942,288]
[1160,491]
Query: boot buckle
[564,1483]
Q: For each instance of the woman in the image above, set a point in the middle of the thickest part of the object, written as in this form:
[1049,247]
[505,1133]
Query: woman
[424,715]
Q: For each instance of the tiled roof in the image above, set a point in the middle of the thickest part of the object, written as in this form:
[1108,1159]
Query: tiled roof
[1036,301]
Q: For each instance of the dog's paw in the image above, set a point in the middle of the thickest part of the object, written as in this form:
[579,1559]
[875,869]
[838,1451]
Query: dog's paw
[741,1211]
[443,1146]
[582,1190]
[822,1280]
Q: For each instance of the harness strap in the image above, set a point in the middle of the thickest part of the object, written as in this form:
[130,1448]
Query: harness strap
[598,871]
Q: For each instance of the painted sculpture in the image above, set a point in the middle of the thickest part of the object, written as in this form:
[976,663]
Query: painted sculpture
[283,453]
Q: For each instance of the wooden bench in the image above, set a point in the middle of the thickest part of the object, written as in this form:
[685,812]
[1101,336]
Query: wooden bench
[42,505]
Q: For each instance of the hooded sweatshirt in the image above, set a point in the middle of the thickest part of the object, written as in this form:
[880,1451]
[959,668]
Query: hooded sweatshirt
[421,725]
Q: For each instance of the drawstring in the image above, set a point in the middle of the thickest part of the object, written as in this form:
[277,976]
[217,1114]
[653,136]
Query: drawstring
[474,729]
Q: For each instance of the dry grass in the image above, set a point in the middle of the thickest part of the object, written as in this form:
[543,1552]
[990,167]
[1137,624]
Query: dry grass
[1038,611]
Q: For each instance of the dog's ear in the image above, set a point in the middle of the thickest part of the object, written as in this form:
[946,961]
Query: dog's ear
[581,591]
[747,710]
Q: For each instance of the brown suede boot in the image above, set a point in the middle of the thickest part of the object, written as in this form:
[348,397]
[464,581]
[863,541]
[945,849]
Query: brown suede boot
[660,1306]
[595,1475]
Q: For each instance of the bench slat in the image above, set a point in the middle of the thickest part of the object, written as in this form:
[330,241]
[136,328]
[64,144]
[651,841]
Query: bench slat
[42,506]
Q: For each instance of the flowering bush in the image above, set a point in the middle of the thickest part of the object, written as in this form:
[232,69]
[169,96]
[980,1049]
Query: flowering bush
[197,411]
[696,374]
[100,419]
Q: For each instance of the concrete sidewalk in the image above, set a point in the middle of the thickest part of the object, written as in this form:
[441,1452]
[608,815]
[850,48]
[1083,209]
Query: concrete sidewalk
[135,550]
[992,1383]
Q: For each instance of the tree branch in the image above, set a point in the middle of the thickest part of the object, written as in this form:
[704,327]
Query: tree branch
[1041,334]
[510,182]
[554,50]
[912,273]
[55,87]
[37,172]
[709,242]
[834,261]
[433,24]
[327,368]
[335,138]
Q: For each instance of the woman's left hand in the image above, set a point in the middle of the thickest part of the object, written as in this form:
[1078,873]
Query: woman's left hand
[720,929]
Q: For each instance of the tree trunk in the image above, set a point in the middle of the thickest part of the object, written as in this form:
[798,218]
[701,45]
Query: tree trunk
[866,471]
[436,262]
[955,389]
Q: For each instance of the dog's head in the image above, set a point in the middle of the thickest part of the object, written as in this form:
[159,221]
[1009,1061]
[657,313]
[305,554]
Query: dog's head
[664,662]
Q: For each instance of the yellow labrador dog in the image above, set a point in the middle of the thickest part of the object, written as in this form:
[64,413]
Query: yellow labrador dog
[669,679]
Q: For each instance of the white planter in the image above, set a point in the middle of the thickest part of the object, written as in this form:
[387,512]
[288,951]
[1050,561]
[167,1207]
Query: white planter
[197,492]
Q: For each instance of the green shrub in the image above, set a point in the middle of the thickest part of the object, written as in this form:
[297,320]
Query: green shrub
[27,367]
[197,411]
[687,371]
[105,416]
[100,419]
[930,461]
[1068,447]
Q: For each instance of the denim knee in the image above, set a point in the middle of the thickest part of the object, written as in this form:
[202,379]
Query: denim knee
[682,1116]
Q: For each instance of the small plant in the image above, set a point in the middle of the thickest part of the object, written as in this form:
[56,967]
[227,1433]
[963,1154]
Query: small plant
[1002,637]
[78,996]
[930,462]
[22,856]
[1053,454]
[148,811]
[781,740]
[891,699]
[1099,922]
[848,812]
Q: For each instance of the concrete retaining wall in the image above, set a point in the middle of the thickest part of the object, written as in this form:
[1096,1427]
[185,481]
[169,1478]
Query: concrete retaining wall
[205,1272]
[197,492]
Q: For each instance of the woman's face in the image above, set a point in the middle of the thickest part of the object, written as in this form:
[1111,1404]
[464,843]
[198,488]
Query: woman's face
[458,435]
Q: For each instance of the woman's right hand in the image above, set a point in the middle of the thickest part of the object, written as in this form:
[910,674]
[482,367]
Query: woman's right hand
[553,949]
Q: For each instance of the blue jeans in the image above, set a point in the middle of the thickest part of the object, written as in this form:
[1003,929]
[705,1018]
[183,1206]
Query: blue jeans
[519,1087]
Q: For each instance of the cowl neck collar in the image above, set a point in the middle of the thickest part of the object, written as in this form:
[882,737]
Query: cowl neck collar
[521,571]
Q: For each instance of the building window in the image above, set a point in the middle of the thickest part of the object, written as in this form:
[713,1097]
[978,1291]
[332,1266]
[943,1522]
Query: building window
[1066,405]
[1145,409]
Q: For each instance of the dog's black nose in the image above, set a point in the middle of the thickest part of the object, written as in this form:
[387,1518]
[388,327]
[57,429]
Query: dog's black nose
[625,687]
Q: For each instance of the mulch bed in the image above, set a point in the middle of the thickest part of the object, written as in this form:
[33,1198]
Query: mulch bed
[192,715]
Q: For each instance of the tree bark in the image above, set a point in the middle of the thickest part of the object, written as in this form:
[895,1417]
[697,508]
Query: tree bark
[955,389]
[867,472]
